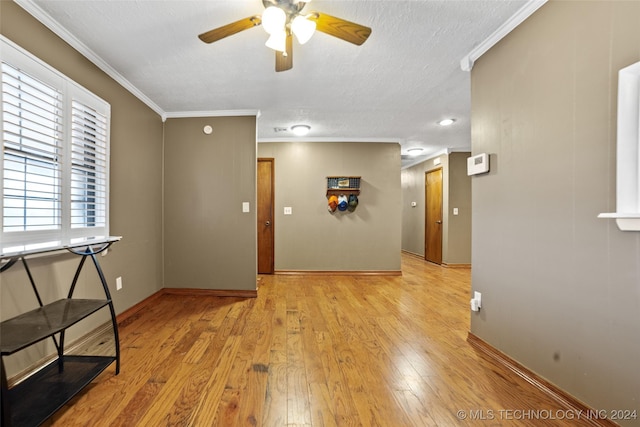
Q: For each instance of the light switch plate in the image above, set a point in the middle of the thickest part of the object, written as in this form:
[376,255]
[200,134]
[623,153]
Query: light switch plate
[245,207]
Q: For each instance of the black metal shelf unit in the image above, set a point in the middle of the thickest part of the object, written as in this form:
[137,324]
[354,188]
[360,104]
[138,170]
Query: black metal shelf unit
[32,401]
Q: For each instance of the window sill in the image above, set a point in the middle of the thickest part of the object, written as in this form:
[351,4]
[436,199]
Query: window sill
[16,251]
[625,221]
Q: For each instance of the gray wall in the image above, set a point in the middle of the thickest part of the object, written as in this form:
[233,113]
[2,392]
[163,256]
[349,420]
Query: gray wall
[135,199]
[314,239]
[560,287]
[456,193]
[209,242]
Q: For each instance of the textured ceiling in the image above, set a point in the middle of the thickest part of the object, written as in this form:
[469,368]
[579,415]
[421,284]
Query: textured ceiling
[394,87]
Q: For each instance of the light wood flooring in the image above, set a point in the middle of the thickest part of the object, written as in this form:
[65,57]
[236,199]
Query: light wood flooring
[310,351]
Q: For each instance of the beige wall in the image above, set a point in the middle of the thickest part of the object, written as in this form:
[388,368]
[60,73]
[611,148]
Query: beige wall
[459,231]
[560,287]
[135,198]
[209,242]
[314,239]
[456,193]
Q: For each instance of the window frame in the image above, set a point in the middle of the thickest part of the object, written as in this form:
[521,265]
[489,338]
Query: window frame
[71,93]
[627,213]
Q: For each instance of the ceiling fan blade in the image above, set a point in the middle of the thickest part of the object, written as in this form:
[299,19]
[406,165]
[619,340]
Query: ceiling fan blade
[285,62]
[340,28]
[230,29]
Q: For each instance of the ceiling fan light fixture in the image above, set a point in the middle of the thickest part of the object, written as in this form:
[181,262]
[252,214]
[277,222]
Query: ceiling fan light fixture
[278,21]
[273,19]
[277,41]
[303,28]
[300,130]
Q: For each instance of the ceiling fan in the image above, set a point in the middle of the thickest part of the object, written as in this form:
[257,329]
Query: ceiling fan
[284,18]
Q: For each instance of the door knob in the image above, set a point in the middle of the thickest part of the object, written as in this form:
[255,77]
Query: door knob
[438,222]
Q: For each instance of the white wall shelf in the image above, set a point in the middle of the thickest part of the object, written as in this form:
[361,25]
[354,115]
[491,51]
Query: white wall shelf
[627,213]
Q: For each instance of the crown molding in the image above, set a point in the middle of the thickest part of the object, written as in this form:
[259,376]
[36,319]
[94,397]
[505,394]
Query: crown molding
[294,138]
[429,156]
[214,113]
[46,20]
[518,18]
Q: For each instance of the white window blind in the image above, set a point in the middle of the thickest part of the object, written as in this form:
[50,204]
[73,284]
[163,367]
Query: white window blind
[54,180]
[32,148]
[88,167]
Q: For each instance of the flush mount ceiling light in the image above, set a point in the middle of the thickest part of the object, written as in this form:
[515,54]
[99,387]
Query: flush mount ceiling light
[300,130]
[415,151]
[446,122]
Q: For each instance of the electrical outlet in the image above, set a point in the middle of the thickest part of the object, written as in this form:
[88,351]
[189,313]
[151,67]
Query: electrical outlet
[118,283]
[476,301]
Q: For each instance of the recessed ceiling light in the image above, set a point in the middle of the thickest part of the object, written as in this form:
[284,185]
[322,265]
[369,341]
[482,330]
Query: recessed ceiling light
[446,122]
[300,130]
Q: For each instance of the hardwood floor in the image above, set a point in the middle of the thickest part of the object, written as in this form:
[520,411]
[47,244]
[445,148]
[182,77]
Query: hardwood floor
[311,351]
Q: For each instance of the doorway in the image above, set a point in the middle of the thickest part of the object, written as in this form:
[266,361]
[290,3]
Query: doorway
[433,216]
[265,214]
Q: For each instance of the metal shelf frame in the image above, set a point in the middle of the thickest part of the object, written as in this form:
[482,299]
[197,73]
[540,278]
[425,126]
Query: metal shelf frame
[35,399]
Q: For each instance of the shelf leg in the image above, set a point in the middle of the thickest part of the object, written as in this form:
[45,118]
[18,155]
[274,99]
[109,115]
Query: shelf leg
[76,276]
[61,353]
[4,397]
[33,283]
[111,309]
[35,291]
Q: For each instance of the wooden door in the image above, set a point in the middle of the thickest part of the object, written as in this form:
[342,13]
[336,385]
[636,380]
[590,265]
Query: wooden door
[433,216]
[265,216]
